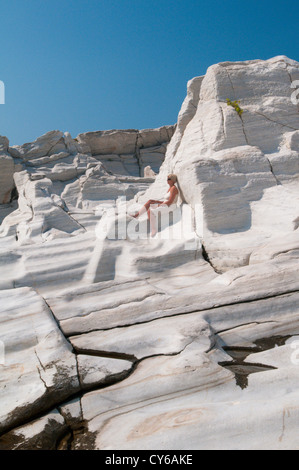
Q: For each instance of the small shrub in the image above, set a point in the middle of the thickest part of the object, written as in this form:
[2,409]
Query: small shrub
[235,105]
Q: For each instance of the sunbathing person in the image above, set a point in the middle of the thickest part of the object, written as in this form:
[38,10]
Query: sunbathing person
[168,201]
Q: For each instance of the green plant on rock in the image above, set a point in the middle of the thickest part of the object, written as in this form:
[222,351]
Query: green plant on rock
[235,105]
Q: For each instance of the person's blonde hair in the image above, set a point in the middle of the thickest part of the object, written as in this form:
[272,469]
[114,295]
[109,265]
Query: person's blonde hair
[173,177]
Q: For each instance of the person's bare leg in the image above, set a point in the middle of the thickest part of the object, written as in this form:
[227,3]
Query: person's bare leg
[153,223]
[145,208]
[142,210]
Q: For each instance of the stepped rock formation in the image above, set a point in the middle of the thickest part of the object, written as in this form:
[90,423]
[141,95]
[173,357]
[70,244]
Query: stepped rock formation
[111,340]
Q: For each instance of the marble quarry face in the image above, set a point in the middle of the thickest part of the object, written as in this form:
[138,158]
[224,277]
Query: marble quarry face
[113,339]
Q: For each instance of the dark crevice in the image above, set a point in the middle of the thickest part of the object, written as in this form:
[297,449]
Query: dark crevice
[106,354]
[14,195]
[272,171]
[75,433]
[64,209]
[207,259]
[242,369]
[60,140]
[269,343]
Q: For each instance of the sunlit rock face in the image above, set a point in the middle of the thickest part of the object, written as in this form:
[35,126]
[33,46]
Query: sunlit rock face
[112,340]
[239,170]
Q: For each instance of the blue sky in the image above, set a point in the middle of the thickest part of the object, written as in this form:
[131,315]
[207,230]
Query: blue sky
[90,65]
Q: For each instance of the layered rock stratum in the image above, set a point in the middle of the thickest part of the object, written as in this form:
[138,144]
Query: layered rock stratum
[112,340]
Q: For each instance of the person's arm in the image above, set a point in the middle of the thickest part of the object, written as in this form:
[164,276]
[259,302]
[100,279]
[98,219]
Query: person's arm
[153,201]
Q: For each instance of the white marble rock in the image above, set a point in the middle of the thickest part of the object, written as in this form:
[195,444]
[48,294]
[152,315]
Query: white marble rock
[130,342]
[38,367]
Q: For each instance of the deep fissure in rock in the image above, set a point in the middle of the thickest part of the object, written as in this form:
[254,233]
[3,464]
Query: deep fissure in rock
[207,258]
[243,369]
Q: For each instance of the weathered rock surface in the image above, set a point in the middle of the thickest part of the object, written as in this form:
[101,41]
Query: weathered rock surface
[113,340]
[38,368]
[242,170]
[40,434]
[8,167]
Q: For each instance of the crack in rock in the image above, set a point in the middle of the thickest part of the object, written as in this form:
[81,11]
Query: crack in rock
[272,171]
[242,369]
